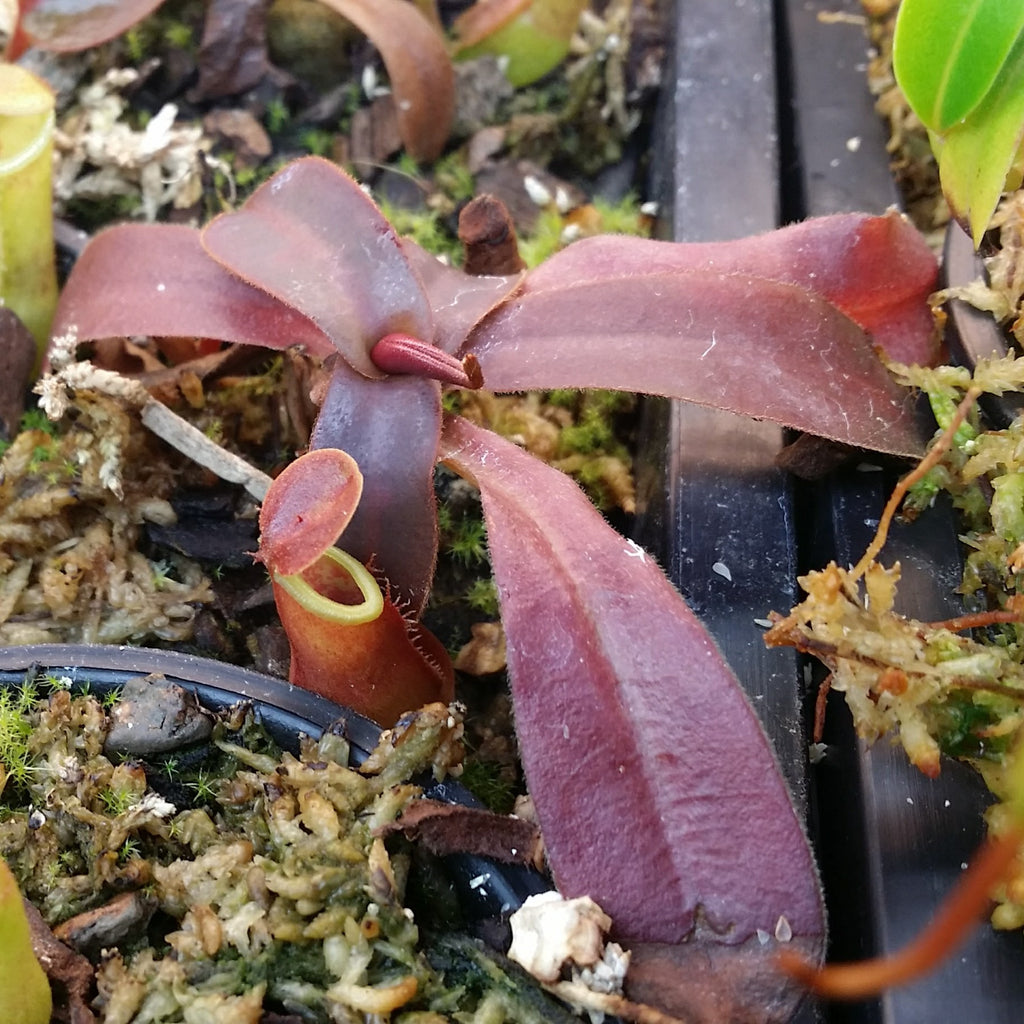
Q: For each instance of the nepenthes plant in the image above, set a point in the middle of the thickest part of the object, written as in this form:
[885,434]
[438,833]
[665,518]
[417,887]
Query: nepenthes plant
[630,722]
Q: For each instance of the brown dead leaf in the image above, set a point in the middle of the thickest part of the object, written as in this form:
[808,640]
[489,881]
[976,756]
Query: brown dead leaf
[233,51]
[451,828]
[374,135]
[125,357]
[706,981]
[247,138]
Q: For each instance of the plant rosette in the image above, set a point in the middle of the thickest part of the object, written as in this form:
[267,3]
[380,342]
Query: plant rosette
[613,736]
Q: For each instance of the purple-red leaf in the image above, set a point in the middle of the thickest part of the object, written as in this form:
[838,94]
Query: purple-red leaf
[458,300]
[312,239]
[657,790]
[307,508]
[419,69]
[156,280]
[762,326]
[391,428]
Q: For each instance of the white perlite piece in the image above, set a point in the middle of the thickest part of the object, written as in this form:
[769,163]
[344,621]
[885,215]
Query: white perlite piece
[550,933]
[98,154]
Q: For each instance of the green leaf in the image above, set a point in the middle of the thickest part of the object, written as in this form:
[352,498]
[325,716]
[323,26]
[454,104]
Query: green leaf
[977,155]
[948,54]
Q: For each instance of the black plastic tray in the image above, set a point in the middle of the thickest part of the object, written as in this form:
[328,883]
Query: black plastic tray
[769,120]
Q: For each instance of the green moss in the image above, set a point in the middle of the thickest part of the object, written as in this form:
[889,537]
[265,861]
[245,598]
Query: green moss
[176,24]
[489,781]
[317,141]
[425,227]
[467,541]
[15,730]
[117,801]
[623,217]
[482,596]
[553,231]
[180,36]
[962,723]
[545,239]
[277,116]
[454,178]
[595,428]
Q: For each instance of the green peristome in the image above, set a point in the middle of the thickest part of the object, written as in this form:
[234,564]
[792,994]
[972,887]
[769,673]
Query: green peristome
[948,54]
[534,43]
[28,276]
[323,607]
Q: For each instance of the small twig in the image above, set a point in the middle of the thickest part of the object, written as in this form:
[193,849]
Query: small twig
[194,444]
[820,708]
[978,620]
[900,491]
[56,388]
[607,1002]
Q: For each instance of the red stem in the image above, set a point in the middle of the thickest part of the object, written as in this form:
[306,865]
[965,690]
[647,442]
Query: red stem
[956,916]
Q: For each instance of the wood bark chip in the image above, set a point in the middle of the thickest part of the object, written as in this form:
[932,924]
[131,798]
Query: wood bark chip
[488,237]
[70,973]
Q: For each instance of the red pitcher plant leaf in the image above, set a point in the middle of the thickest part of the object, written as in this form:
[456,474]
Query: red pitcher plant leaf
[157,280]
[458,300]
[632,728]
[308,508]
[762,326]
[327,252]
[349,642]
[766,326]
[879,271]
[395,525]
